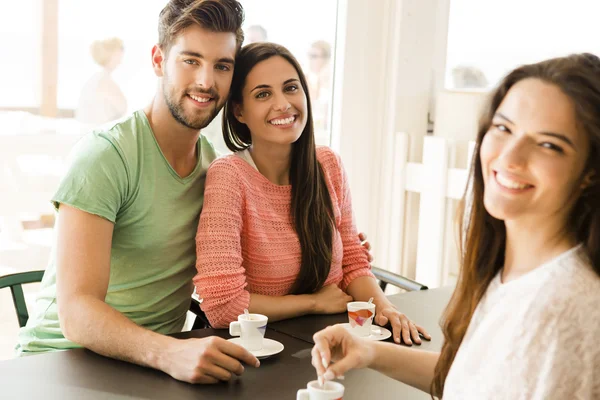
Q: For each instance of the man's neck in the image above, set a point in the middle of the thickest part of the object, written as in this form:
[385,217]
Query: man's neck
[533,243]
[273,161]
[177,142]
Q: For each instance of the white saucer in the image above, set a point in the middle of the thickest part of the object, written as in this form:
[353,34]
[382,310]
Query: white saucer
[270,347]
[377,332]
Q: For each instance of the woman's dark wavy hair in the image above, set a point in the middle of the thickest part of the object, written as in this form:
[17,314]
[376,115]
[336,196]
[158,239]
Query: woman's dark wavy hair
[483,237]
[311,208]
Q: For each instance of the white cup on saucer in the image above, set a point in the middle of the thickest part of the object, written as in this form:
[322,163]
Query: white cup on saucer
[251,330]
[360,316]
[314,391]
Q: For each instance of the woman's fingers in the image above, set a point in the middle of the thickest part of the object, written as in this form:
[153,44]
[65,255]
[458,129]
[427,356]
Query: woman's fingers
[423,332]
[319,362]
[405,330]
[381,319]
[340,367]
[414,333]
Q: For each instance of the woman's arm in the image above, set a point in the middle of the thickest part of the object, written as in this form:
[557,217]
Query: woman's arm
[411,366]
[281,307]
[355,258]
[221,279]
[329,300]
[335,344]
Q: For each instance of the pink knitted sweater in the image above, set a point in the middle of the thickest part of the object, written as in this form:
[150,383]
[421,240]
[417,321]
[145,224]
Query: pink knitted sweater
[246,242]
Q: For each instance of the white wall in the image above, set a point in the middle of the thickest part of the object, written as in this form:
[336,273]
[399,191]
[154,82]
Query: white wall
[390,56]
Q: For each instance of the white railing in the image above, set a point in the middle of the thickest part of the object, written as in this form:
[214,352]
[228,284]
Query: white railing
[436,182]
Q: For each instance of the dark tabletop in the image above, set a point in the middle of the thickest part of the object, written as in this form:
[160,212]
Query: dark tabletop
[82,374]
[424,307]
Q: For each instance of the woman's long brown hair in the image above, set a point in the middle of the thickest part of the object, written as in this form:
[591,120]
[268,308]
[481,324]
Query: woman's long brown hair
[311,208]
[483,237]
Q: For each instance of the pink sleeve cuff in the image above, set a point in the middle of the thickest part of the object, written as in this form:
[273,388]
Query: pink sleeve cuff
[352,275]
[221,316]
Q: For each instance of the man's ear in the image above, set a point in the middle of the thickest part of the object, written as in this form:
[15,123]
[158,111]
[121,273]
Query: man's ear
[158,59]
[237,113]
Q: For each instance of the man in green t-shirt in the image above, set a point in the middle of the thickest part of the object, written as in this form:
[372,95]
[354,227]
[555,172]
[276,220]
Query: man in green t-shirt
[120,275]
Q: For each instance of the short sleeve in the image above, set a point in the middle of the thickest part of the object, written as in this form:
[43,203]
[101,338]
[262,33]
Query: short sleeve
[96,179]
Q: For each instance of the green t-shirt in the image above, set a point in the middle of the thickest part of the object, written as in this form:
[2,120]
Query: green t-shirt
[122,175]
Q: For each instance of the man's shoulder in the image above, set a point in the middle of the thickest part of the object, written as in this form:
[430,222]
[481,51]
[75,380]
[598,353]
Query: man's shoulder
[126,133]
[119,142]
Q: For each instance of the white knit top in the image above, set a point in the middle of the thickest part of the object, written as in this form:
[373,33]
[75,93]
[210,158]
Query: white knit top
[536,337]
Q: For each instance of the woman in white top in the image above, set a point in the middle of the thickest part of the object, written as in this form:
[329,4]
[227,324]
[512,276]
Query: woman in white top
[524,320]
[101,99]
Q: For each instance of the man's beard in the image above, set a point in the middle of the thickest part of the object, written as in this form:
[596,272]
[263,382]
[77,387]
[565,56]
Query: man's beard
[199,120]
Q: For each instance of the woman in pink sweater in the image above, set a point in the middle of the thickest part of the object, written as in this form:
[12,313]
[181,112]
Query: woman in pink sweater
[276,235]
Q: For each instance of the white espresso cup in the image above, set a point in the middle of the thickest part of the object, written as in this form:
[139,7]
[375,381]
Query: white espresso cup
[251,330]
[360,316]
[314,391]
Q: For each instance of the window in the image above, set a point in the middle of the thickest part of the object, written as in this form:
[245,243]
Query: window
[20,41]
[306,28]
[81,23]
[488,39]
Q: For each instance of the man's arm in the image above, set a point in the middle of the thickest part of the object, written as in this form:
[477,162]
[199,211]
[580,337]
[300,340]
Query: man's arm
[83,271]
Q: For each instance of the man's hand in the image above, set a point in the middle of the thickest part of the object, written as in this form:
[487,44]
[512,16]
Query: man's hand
[366,245]
[207,360]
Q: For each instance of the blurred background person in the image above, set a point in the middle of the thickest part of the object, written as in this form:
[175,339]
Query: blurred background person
[468,77]
[319,82]
[101,99]
[256,33]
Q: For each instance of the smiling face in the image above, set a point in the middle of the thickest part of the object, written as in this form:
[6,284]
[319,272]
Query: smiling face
[197,73]
[274,103]
[533,155]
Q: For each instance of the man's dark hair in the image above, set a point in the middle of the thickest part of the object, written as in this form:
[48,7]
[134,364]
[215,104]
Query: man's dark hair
[213,15]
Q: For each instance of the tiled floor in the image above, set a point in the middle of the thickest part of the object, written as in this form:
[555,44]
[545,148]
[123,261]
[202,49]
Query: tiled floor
[32,254]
